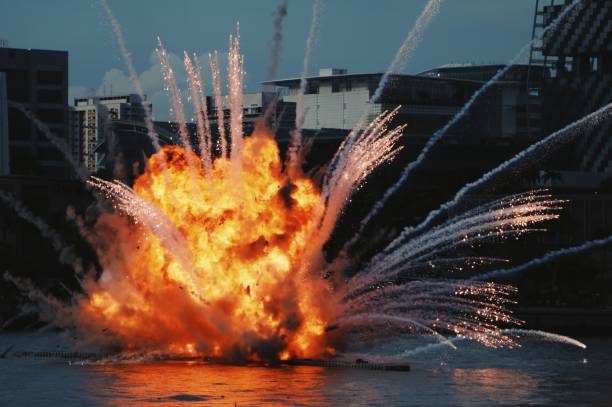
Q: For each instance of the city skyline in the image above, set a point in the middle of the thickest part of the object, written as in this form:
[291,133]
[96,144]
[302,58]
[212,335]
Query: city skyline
[99,69]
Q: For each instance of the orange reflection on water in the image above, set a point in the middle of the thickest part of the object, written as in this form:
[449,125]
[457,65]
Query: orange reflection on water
[499,386]
[203,384]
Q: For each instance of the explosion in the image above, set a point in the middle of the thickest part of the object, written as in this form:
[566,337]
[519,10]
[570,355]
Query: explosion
[220,253]
[238,287]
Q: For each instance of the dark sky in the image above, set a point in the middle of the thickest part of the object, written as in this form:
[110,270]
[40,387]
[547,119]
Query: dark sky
[360,35]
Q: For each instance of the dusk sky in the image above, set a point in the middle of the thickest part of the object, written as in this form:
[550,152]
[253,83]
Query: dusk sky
[359,35]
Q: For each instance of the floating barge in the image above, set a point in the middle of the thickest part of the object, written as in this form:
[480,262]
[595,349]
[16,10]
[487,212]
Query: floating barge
[92,356]
[358,364]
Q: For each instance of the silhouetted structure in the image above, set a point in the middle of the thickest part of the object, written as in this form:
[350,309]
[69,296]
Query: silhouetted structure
[38,80]
[578,55]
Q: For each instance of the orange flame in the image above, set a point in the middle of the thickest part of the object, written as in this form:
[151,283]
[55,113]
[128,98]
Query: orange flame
[243,293]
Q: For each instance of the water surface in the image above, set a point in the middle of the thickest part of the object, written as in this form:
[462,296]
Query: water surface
[539,373]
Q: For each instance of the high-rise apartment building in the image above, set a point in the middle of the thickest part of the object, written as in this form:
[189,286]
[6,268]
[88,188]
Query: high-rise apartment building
[91,118]
[38,81]
[4,140]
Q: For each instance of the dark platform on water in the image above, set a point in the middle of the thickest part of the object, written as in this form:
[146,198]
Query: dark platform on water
[357,364]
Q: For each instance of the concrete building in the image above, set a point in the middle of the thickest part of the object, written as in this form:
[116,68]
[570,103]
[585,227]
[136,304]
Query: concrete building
[338,100]
[333,99]
[90,118]
[38,80]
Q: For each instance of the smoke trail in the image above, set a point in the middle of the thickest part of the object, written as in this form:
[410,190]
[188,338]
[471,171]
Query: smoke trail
[174,93]
[512,214]
[65,251]
[56,310]
[452,311]
[409,45]
[548,336]
[197,96]
[310,43]
[401,58]
[213,60]
[376,146]
[235,74]
[408,170]
[275,52]
[204,107]
[546,258]
[300,113]
[58,142]
[361,318]
[563,135]
[277,39]
[177,108]
[127,58]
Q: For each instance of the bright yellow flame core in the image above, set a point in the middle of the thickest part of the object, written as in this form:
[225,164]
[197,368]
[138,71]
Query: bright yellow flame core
[247,231]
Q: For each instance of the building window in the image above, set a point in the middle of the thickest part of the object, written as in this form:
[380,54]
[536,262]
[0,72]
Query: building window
[50,77]
[18,125]
[53,171]
[17,85]
[59,133]
[51,115]
[23,161]
[50,96]
[535,92]
[312,88]
[594,62]
[49,154]
[335,86]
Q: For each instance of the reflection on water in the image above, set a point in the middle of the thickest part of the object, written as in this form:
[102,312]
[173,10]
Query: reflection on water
[500,386]
[178,383]
[171,383]
[543,374]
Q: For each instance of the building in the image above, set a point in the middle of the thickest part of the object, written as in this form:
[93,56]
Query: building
[514,102]
[280,113]
[91,116]
[24,251]
[333,99]
[38,81]
[337,100]
[4,137]
[578,55]
[121,154]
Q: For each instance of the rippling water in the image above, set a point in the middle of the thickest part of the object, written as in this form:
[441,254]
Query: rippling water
[537,374]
